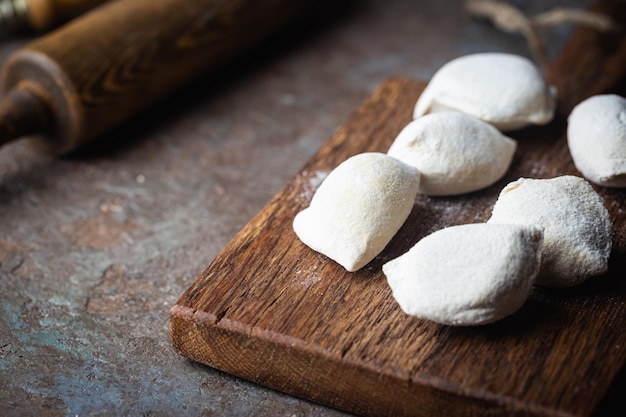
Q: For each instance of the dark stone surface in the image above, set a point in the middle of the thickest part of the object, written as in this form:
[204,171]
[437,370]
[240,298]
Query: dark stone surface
[97,246]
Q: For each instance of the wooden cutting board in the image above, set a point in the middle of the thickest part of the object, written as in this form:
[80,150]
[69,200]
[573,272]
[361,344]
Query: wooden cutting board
[271,310]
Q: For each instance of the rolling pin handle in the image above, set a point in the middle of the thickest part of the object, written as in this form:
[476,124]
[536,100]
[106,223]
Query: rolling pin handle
[24,111]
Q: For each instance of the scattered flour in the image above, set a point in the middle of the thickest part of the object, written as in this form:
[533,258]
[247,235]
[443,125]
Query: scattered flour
[308,182]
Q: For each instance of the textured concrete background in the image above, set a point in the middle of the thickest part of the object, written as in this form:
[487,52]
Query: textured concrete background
[96,247]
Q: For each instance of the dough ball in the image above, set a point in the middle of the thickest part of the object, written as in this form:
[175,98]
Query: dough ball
[596,135]
[505,90]
[467,275]
[577,227]
[454,152]
[358,208]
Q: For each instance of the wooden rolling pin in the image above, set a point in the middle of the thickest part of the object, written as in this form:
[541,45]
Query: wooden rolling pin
[79,81]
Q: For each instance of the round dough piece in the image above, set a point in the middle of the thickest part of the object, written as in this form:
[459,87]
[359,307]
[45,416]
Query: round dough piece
[505,90]
[577,227]
[358,208]
[596,136]
[467,275]
[455,153]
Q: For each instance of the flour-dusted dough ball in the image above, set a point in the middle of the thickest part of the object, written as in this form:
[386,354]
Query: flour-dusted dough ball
[358,208]
[467,275]
[577,226]
[454,152]
[596,135]
[505,90]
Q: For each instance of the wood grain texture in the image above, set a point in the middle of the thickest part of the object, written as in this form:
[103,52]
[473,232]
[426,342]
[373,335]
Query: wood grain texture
[270,310]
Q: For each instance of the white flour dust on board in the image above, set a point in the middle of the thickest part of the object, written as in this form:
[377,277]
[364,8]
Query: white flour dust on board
[308,182]
[306,278]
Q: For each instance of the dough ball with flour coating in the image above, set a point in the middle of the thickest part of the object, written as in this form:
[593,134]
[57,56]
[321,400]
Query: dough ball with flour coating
[505,90]
[577,227]
[596,136]
[358,208]
[454,152]
[467,275]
